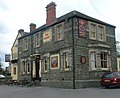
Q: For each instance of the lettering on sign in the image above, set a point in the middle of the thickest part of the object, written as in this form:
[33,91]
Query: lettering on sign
[47,36]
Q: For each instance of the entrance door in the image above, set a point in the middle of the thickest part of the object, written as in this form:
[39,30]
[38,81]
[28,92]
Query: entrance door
[36,71]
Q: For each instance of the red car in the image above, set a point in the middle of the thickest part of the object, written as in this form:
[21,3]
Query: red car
[110,79]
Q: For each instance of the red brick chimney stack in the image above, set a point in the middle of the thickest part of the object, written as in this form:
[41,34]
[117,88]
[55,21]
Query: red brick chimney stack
[32,27]
[51,13]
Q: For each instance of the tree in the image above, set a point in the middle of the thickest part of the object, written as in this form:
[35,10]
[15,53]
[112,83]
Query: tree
[1,69]
[0,63]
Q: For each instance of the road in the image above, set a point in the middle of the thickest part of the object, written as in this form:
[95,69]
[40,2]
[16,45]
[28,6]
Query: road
[45,92]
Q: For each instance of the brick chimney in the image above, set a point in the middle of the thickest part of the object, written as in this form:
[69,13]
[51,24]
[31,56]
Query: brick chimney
[51,13]
[32,27]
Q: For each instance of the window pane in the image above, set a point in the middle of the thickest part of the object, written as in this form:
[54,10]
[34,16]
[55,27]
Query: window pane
[104,59]
[37,39]
[28,67]
[93,31]
[100,33]
[59,31]
[66,59]
[93,60]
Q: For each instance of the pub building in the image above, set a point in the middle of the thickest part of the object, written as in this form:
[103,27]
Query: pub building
[71,51]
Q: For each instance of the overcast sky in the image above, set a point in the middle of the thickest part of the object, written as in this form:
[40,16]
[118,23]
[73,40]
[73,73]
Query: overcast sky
[18,14]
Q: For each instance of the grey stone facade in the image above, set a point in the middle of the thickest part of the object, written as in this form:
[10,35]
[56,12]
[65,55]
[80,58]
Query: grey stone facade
[57,67]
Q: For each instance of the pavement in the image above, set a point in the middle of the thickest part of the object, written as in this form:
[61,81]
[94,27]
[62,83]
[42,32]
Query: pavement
[46,92]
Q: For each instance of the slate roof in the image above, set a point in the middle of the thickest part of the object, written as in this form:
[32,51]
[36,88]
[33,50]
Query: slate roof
[68,16]
[22,34]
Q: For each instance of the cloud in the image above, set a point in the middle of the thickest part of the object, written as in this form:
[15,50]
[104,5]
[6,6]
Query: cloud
[3,6]
[18,14]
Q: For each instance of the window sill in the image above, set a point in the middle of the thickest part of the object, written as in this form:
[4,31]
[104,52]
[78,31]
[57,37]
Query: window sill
[100,69]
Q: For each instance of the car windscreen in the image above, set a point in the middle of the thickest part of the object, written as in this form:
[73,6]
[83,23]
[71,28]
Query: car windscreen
[117,74]
[111,75]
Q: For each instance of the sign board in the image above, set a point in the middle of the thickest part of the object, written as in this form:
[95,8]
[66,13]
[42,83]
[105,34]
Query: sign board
[47,36]
[7,57]
[82,25]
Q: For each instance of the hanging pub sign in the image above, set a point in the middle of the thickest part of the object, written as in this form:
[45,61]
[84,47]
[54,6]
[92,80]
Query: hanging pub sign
[7,57]
[82,24]
[83,59]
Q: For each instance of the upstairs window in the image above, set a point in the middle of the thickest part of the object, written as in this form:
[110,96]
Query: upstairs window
[37,39]
[93,31]
[100,33]
[97,32]
[59,32]
[26,44]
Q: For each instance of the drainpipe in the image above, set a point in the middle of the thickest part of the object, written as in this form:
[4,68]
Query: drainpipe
[31,56]
[73,53]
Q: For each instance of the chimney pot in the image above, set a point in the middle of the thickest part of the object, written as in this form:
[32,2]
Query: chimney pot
[32,27]
[21,30]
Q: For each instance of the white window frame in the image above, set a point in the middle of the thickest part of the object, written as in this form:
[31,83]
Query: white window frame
[104,60]
[37,39]
[28,67]
[93,31]
[92,59]
[96,60]
[103,33]
[34,70]
[23,67]
[25,43]
[66,60]
[97,33]
[59,33]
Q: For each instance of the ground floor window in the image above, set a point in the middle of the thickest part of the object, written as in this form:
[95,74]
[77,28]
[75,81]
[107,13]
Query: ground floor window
[119,65]
[92,59]
[66,60]
[61,60]
[45,64]
[99,60]
[23,67]
[104,59]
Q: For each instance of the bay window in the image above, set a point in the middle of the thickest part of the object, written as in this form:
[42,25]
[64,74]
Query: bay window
[99,60]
